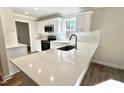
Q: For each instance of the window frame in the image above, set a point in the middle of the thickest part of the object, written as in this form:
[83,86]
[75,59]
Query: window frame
[69,19]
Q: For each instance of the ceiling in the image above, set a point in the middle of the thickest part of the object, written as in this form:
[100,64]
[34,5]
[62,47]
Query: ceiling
[39,12]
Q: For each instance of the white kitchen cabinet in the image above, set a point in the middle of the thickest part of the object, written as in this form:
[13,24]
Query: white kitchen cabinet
[83,21]
[54,21]
[40,26]
[38,45]
[58,28]
[50,22]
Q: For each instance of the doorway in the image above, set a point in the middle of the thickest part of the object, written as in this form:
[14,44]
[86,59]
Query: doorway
[23,36]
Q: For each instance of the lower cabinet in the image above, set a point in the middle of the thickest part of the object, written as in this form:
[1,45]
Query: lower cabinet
[38,45]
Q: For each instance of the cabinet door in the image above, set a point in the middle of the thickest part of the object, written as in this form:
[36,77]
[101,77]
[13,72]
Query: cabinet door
[50,22]
[40,26]
[38,45]
[83,22]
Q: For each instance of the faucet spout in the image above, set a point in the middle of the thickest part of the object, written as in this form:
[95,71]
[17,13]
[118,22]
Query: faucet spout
[75,39]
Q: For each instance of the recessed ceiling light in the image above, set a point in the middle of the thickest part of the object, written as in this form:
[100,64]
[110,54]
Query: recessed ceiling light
[26,12]
[35,8]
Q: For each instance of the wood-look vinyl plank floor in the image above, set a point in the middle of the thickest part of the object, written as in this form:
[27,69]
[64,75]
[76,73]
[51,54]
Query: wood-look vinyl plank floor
[99,73]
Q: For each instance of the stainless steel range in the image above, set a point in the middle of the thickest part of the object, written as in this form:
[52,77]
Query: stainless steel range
[45,44]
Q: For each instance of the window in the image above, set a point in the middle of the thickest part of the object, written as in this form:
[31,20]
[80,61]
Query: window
[70,24]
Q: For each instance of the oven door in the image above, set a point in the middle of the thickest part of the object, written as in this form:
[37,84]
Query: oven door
[45,45]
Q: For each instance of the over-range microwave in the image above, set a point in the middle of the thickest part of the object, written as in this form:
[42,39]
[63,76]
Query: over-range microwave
[49,28]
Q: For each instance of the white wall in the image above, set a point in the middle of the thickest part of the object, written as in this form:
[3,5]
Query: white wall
[8,26]
[32,29]
[3,55]
[7,36]
[110,21]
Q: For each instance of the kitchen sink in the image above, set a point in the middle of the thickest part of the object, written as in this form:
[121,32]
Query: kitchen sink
[66,48]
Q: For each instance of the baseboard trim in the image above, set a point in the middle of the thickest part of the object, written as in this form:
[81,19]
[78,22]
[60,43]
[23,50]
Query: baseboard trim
[109,64]
[7,77]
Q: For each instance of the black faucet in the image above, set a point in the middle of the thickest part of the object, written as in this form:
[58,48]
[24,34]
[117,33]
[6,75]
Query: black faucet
[75,40]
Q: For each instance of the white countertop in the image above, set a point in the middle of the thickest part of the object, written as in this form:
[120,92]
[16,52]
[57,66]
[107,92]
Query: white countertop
[56,67]
[15,45]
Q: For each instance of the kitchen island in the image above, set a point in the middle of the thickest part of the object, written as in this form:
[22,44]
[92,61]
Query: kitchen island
[56,67]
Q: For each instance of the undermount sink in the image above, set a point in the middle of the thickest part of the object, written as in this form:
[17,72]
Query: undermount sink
[66,48]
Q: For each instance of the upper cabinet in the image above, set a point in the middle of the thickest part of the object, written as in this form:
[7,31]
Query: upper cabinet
[55,21]
[40,26]
[83,21]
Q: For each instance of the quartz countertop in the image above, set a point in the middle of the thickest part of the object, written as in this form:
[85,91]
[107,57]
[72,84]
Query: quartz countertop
[55,67]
